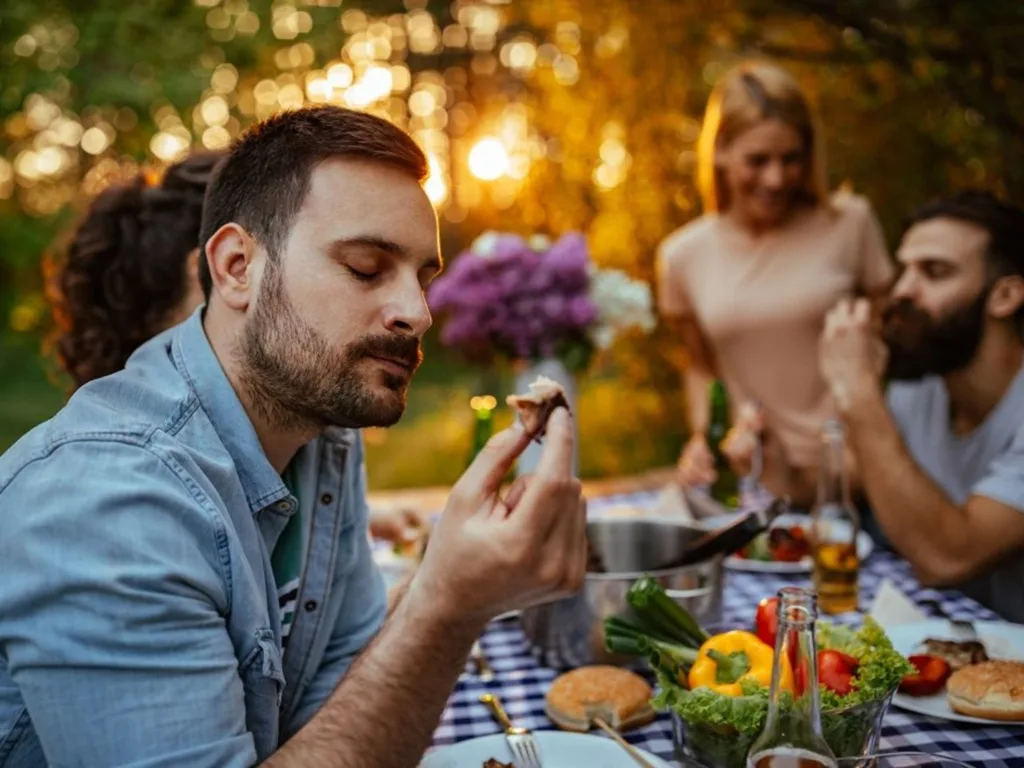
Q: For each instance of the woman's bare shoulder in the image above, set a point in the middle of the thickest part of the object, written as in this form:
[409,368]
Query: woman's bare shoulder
[692,237]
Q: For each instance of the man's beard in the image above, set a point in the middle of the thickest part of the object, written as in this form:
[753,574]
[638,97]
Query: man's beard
[920,345]
[298,380]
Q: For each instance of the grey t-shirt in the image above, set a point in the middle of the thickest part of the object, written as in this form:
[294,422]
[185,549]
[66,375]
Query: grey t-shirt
[987,462]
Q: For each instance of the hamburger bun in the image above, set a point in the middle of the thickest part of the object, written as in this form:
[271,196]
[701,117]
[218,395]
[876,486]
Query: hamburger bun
[992,689]
[619,697]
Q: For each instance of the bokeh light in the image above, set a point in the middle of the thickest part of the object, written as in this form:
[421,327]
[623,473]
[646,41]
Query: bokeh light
[488,159]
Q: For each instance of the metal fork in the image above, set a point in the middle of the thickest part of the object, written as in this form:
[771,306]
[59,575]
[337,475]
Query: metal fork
[963,630]
[483,668]
[524,747]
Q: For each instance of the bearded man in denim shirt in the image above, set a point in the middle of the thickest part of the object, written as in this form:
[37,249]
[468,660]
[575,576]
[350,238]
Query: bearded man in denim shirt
[187,574]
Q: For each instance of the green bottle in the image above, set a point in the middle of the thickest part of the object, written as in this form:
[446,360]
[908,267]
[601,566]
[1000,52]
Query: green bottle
[483,423]
[726,488]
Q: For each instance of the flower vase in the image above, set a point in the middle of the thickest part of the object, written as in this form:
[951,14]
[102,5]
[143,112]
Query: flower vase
[555,370]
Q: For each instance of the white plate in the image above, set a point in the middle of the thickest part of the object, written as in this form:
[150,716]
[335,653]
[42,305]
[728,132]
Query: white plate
[1002,641]
[558,750]
[865,546]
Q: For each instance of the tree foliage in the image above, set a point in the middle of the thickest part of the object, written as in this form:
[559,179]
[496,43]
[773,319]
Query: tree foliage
[919,97]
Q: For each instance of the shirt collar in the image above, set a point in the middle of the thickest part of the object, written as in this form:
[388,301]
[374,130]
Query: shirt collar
[195,358]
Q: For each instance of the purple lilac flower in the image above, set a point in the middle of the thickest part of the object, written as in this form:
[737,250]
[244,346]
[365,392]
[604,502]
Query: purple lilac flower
[509,298]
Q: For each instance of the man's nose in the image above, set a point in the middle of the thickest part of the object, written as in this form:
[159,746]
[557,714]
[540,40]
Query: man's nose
[408,314]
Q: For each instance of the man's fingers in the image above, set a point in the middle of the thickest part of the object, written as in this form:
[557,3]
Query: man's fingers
[566,548]
[491,465]
[515,491]
[559,443]
[862,312]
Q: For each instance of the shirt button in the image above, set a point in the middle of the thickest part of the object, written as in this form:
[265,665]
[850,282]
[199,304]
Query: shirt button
[284,506]
[310,606]
[326,499]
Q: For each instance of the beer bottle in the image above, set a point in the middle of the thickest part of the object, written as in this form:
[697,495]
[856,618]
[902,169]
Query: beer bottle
[834,527]
[725,489]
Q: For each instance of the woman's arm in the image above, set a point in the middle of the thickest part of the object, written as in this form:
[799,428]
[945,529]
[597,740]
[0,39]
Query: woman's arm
[698,373]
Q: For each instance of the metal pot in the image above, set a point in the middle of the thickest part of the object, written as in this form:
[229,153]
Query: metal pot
[570,633]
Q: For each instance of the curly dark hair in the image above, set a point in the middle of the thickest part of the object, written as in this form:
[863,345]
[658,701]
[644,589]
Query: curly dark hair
[123,272]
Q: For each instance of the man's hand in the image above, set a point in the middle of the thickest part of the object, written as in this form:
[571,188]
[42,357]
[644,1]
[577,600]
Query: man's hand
[487,555]
[851,355]
[696,465]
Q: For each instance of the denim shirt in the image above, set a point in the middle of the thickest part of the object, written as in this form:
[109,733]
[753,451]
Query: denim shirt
[139,620]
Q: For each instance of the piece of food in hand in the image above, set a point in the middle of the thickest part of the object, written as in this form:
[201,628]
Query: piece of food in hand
[619,697]
[992,689]
[836,671]
[930,675]
[535,408]
[958,654]
[492,763]
[766,621]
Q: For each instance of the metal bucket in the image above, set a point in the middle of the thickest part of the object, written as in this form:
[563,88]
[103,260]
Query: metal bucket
[569,633]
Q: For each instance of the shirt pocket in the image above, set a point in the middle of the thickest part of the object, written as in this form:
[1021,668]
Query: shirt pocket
[262,676]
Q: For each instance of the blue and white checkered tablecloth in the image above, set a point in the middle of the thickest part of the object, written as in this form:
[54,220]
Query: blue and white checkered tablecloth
[521,680]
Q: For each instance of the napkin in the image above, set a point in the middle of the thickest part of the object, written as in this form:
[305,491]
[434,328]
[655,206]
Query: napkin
[891,606]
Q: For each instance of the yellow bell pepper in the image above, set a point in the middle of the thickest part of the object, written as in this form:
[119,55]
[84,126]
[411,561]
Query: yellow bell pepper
[726,659]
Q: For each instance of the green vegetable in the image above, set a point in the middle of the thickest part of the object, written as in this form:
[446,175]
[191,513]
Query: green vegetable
[731,666]
[622,636]
[719,729]
[649,600]
[881,668]
[745,714]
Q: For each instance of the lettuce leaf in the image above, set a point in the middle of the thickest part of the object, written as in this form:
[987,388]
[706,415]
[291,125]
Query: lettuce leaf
[881,668]
[745,714]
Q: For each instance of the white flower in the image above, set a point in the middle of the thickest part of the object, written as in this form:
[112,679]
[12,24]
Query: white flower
[622,303]
[539,242]
[485,245]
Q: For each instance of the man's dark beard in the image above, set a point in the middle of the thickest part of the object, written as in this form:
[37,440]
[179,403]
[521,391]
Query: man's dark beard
[297,380]
[920,345]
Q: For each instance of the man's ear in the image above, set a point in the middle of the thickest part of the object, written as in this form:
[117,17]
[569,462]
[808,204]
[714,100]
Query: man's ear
[1006,297]
[230,254]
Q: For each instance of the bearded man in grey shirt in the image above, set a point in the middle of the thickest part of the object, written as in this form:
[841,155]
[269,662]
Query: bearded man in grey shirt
[941,454]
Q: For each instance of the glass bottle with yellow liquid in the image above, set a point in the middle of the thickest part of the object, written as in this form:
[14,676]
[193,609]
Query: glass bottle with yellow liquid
[792,736]
[834,527]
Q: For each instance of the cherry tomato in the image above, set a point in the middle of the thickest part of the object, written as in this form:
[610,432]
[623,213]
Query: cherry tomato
[836,671]
[766,621]
[932,673]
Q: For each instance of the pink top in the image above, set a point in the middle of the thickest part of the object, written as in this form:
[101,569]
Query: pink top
[761,304]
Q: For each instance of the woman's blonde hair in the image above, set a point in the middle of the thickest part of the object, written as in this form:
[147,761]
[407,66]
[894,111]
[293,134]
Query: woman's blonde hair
[748,94]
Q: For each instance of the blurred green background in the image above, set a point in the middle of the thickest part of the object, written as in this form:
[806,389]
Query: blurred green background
[597,106]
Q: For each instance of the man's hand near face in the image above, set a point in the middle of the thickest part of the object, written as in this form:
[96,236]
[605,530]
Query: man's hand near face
[486,555]
[851,354]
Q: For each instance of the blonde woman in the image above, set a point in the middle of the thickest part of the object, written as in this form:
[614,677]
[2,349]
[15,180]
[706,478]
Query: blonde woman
[749,282]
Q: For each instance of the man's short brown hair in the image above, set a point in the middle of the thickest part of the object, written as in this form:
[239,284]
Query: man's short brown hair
[263,182]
